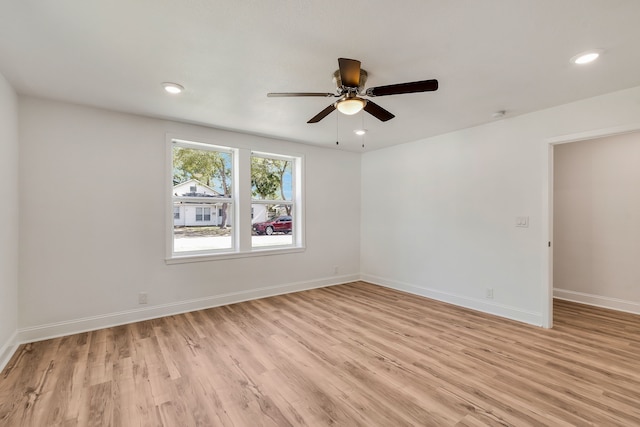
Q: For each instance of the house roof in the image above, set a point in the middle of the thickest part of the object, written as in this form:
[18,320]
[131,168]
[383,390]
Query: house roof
[189,183]
[487,55]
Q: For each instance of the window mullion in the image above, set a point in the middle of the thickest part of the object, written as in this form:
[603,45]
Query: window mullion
[243,197]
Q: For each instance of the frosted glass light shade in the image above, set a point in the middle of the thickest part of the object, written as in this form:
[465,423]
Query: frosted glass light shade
[350,106]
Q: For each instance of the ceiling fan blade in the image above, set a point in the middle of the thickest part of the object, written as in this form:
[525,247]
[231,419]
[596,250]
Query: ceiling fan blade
[349,72]
[420,86]
[283,94]
[322,114]
[377,111]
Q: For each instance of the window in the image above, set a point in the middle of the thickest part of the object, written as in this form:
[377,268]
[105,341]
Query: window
[203,214]
[201,185]
[229,202]
[273,200]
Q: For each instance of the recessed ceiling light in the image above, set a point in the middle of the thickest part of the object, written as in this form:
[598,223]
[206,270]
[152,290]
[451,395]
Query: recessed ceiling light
[172,88]
[360,131]
[586,57]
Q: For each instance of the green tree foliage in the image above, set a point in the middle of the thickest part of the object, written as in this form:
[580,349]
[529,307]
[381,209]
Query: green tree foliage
[267,176]
[264,182]
[209,167]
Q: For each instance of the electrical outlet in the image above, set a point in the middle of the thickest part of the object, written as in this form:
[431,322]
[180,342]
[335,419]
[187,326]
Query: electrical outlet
[142,298]
[336,269]
[489,293]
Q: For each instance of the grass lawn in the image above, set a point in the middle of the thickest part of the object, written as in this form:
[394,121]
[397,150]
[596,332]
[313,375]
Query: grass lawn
[201,231]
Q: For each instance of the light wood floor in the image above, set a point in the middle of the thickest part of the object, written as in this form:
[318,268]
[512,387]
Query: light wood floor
[350,355]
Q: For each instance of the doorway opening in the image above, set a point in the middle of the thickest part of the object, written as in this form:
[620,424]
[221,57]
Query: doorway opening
[594,205]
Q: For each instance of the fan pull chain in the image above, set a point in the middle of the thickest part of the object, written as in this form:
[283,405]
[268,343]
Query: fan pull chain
[362,112]
[337,121]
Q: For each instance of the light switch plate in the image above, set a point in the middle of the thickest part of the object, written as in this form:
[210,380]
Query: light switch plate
[522,221]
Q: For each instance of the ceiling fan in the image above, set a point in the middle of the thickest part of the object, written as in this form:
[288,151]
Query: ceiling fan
[350,79]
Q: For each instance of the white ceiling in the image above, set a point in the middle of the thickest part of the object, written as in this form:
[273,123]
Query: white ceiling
[487,55]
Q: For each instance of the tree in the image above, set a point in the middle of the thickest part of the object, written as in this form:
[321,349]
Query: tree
[267,178]
[209,167]
[264,183]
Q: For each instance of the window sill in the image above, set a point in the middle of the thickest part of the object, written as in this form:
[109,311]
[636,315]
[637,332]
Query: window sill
[182,259]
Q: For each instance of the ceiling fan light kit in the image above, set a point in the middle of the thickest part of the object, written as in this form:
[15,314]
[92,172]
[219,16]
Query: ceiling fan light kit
[351,106]
[350,80]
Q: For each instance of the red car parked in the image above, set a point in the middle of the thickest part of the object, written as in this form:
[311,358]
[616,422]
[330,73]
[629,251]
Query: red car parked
[281,224]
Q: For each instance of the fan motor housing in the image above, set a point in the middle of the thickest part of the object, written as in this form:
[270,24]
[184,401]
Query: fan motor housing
[363,79]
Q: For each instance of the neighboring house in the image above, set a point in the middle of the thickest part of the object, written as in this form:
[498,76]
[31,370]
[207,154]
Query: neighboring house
[259,213]
[189,211]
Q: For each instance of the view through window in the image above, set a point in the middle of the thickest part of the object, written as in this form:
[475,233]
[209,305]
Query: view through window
[202,199]
[272,201]
[204,203]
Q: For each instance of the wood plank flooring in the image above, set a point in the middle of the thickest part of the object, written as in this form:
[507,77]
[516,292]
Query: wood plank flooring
[349,355]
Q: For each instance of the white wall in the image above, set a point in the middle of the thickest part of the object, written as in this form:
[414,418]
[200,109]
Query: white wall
[8,220]
[455,199]
[93,267]
[597,221]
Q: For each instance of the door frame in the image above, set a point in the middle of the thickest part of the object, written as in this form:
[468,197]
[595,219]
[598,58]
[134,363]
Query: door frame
[547,199]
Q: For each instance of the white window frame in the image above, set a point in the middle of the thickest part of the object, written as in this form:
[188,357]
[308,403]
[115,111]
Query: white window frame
[241,201]
[291,202]
[171,253]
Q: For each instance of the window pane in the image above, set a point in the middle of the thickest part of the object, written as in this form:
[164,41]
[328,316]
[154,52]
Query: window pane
[203,231]
[201,173]
[202,187]
[271,179]
[272,225]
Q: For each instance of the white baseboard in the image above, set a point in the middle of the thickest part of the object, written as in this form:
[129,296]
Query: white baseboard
[7,349]
[597,300]
[494,308]
[54,330]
